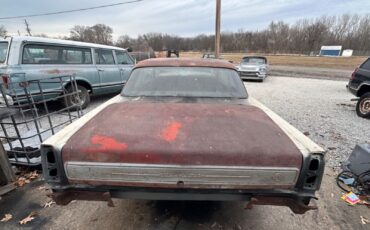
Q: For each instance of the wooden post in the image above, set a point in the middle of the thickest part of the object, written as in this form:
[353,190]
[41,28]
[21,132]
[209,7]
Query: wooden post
[218,25]
[6,172]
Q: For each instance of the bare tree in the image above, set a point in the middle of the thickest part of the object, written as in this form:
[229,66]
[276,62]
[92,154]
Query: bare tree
[99,33]
[102,34]
[79,33]
[301,37]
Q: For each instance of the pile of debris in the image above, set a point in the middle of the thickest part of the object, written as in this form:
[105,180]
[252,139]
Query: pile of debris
[355,177]
[25,175]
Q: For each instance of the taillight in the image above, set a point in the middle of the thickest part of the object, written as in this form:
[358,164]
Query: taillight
[5,78]
[354,74]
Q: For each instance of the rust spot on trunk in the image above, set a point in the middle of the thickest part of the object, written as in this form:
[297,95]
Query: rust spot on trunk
[107,143]
[171,131]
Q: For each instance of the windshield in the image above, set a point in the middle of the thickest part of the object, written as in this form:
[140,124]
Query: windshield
[185,82]
[254,60]
[3,51]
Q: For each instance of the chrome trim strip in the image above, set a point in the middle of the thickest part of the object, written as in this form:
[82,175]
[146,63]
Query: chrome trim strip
[232,176]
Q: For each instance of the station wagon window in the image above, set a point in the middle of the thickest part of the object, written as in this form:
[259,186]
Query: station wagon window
[46,54]
[3,51]
[77,56]
[123,58]
[104,57]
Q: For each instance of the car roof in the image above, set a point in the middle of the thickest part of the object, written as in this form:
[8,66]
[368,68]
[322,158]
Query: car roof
[185,62]
[254,57]
[58,42]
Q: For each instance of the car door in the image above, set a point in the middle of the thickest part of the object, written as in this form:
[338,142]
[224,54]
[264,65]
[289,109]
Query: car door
[125,64]
[109,73]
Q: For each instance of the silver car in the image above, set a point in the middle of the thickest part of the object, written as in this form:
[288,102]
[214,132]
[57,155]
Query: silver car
[253,68]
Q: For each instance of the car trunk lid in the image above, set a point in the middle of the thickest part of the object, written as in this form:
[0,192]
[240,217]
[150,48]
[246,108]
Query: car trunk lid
[183,134]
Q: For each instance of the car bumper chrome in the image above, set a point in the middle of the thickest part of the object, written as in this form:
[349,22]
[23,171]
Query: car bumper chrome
[252,75]
[175,176]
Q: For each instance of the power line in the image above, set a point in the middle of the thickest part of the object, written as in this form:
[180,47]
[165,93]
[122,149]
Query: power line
[71,11]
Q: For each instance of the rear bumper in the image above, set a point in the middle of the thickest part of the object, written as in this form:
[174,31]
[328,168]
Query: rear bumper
[178,183]
[180,176]
[352,89]
[297,202]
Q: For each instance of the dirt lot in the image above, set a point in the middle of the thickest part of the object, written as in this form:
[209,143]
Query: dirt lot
[341,63]
[321,107]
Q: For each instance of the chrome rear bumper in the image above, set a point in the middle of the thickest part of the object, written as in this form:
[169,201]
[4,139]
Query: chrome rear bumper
[188,176]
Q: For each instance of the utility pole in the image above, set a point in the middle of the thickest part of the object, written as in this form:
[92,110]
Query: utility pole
[218,25]
[28,29]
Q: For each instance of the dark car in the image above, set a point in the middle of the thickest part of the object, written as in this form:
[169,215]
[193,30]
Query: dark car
[359,85]
[184,129]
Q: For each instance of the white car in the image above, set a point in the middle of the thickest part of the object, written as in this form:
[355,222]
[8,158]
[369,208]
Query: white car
[253,68]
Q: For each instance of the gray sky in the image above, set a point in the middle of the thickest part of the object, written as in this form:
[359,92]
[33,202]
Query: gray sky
[181,17]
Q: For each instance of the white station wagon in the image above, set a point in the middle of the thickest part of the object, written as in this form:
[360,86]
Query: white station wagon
[99,69]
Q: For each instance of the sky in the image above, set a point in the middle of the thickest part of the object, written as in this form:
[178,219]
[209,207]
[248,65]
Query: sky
[178,17]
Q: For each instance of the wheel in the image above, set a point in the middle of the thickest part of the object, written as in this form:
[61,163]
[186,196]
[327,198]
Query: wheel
[74,100]
[363,106]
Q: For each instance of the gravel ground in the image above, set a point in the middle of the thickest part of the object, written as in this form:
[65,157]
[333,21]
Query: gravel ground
[320,107]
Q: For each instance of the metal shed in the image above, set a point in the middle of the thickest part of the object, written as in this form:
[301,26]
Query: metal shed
[331,51]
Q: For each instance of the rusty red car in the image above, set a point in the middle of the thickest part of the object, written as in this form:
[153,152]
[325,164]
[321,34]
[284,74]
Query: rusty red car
[184,129]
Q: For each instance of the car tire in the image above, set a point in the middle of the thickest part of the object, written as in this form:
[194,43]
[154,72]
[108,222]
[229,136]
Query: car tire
[83,99]
[363,106]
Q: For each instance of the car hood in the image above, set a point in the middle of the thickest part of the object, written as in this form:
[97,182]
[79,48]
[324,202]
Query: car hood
[250,67]
[182,134]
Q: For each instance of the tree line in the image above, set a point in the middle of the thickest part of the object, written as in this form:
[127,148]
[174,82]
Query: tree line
[301,37]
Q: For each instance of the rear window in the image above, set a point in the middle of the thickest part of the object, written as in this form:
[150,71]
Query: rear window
[366,65]
[185,82]
[254,60]
[45,54]
[3,51]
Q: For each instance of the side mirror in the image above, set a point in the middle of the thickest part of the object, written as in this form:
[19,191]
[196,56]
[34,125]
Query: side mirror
[129,49]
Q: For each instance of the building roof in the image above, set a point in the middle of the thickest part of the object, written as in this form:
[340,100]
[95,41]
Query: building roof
[331,47]
[185,62]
